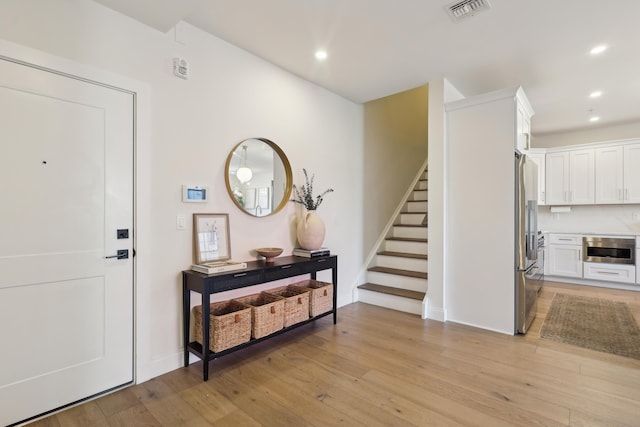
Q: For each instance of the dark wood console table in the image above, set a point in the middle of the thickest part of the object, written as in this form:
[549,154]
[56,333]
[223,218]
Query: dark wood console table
[257,272]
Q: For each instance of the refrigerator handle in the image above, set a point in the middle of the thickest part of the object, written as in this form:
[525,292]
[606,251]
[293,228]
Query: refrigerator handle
[529,235]
[532,230]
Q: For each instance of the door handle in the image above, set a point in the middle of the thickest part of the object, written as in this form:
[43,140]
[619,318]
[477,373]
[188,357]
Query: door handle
[121,254]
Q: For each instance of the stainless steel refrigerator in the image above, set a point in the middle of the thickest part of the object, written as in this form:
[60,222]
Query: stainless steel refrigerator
[528,265]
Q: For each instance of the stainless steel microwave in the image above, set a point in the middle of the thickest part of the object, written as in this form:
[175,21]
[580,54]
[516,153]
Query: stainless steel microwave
[610,250]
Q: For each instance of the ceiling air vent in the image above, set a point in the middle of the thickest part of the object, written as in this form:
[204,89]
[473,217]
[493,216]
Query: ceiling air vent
[463,9]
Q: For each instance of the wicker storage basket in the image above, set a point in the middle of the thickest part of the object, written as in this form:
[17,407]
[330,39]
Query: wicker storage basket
[296,303]
[321,298]
[229,324]
[267,313]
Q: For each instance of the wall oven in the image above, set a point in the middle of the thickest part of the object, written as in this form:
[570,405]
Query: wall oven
[609,250]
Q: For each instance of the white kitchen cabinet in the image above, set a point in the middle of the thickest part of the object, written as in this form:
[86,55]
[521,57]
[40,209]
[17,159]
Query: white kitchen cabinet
[523,123]
[539,158]
[565,260]
[637,269]
[570,177]
[610,272]
[632,173]
[564,255]
[557,177]
[618,174]
[565,239]
[609,175]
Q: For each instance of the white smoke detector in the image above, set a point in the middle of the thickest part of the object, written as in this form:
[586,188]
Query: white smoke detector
[466,8]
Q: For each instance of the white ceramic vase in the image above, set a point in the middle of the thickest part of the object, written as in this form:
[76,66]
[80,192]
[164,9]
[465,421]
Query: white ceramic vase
[310,231]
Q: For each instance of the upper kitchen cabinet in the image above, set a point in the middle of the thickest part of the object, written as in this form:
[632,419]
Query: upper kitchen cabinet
[539,158]
[618,174]
[610,175]
[523,121]
[632,173]
[570,177]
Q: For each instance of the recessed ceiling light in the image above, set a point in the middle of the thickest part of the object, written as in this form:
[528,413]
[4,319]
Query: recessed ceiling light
[594,119]
[595,94]
[598,49]
[321,55]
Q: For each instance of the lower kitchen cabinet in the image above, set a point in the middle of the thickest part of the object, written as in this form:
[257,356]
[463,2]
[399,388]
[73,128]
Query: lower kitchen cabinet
[565,260]
[610,272]
[637,262]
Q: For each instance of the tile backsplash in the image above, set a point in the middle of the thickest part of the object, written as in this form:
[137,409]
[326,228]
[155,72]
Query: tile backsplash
[591,219]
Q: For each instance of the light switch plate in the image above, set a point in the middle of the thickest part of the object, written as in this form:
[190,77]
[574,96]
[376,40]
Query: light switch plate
[181,222]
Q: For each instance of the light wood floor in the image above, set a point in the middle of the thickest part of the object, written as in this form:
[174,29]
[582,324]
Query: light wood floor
[379,367]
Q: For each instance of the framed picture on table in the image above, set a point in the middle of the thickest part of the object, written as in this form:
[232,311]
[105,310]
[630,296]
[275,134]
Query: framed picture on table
[211,240]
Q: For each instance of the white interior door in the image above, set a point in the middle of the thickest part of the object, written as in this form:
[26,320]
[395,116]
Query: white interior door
[66,187]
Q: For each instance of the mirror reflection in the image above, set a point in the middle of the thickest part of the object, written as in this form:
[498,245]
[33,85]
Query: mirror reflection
[258,177]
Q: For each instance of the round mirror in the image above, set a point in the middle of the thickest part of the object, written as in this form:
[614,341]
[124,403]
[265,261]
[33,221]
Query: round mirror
[258,177]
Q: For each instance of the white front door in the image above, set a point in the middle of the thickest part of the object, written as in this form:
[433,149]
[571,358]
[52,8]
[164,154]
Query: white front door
[66,188]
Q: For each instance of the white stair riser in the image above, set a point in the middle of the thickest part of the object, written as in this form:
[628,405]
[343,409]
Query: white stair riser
[410,232]
[418,195]
[393,302]
[397,281]
[425,175]
[412,218]
[421,185]
[402,263]
[408,247]
[418,207]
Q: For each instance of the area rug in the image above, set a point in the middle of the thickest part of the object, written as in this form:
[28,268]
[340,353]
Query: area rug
[593,323]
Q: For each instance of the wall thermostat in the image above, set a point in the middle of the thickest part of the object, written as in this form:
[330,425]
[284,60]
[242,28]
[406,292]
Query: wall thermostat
[195,193]
[181,68]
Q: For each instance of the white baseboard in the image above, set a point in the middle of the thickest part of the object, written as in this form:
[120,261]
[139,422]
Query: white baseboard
[156,367]
[597,283]
[434,313]
[486,328]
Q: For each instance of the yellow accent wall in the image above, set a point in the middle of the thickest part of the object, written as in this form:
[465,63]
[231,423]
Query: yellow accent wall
[395,147]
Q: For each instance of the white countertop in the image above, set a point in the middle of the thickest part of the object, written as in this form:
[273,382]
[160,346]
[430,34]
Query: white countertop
[594,233]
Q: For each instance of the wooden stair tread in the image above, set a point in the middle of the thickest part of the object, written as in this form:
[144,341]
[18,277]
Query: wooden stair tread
[406,293]
[407,239]
[410,225]
[403,255]
[400,272]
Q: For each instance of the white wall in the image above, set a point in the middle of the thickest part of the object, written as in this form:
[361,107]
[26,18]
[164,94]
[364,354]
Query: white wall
[190,128]
[395,135]
[479,203]
[440,92]
[594,134]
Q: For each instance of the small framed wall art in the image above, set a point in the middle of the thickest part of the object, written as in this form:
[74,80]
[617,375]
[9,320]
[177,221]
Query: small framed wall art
[211,240]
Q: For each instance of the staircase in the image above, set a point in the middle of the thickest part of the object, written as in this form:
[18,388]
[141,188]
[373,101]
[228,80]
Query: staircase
[397,276]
